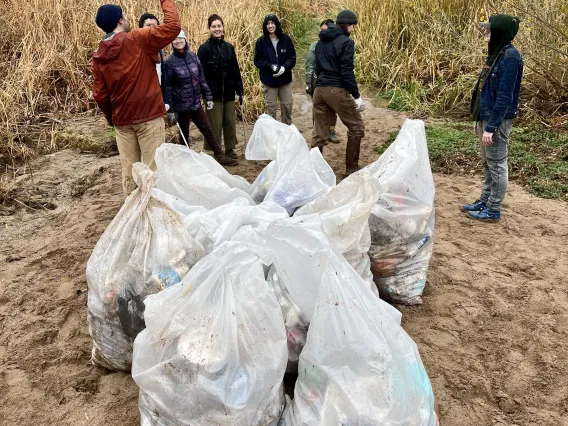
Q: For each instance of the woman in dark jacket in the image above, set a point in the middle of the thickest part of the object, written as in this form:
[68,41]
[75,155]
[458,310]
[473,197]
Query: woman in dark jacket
[184,86]
[275,58]
[224,79]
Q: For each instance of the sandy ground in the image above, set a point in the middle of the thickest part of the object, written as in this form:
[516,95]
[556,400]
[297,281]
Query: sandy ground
[492,332]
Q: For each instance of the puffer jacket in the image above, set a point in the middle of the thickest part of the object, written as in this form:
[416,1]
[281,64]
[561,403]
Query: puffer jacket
[265,56]
[335,54]
[221,69]
[185,82]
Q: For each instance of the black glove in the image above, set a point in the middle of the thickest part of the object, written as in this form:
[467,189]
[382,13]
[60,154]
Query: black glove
[240,99]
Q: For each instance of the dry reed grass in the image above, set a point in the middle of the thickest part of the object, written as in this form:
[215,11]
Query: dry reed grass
[427,53]
[46,46]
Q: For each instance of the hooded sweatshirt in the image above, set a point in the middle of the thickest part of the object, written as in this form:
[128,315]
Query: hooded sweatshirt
[266,55]
[125,83]
[496,95]
[335,54]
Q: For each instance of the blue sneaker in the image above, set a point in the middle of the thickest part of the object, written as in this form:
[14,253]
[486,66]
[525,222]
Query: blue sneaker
[485,215]
[477,206]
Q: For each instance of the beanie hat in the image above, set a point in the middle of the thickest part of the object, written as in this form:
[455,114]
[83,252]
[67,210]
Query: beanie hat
[145,17]
[346,17]
[182,35]
[108,16]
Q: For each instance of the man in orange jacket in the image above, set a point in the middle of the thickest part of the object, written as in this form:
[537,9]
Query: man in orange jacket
[126,86]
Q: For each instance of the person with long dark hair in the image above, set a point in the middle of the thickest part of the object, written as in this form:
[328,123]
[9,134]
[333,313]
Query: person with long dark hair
[223,77]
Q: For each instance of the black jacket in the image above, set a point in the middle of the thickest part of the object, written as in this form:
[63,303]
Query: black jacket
[265,56]
[221,69]
[334,60]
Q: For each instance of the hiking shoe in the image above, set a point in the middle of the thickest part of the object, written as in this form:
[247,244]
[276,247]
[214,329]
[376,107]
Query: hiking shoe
[333,137]
[231,154]
[224,160]
[477,206]
[485,215]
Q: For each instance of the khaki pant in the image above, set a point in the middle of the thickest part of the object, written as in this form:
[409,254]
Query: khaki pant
[223,122]
[271,97]
[329,101]
[138,142]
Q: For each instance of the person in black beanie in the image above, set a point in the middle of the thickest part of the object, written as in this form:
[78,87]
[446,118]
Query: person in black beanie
[125,86]
[336,88]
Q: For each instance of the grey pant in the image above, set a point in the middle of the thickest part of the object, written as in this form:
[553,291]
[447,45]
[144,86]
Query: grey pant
[495,170]
[223,121]
[271,96]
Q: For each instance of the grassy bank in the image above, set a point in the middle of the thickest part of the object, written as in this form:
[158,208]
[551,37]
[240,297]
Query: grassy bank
[538,159]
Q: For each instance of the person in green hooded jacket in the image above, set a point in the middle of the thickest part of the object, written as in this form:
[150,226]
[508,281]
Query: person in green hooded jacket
[494,105]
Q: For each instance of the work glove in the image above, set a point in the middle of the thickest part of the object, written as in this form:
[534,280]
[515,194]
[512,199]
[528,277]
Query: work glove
[209,105]
[308,90]
[171,118]
[274,68]
[360,105]
[167,107]
[280,72]
[240,99]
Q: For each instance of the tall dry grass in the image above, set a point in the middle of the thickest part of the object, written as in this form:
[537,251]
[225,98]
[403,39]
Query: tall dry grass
[427,53]
[46,48]
[424,53]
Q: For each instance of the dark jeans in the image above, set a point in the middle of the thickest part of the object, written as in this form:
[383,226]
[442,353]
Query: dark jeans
[200,119]
[495,170]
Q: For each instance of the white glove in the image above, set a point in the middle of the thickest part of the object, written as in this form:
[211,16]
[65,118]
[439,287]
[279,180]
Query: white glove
[209,105]
[274,68]
[360,105]
[167,107]
[280,72]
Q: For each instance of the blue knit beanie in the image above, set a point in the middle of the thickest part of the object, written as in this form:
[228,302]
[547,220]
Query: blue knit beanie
[108,16]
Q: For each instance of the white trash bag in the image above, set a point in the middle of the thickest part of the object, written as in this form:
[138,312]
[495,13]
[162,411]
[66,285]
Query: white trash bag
[358,366]
[197,179]
[402,221]
[302,254]
[296,181]
[344,211]
[145,249]
[214,349]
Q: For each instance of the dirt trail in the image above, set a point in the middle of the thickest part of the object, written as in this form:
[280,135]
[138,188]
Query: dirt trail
[493,331]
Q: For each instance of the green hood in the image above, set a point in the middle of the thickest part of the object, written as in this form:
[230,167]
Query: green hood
[504,28]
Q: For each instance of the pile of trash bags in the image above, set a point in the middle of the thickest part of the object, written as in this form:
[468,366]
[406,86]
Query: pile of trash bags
[210,289]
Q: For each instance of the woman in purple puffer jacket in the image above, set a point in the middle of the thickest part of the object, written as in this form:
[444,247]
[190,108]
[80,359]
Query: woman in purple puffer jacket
[185,85]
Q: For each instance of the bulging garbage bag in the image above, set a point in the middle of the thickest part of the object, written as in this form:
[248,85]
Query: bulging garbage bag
[344,211]
[358,366]
[213,352]
[302,255]
[402,220]
[145,249]
[197,179]
[297,180]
